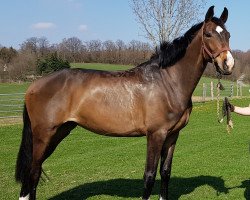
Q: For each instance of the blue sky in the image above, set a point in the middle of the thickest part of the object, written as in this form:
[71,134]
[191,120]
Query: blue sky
[98,19]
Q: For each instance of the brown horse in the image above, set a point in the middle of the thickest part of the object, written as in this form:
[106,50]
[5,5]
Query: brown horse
[152,100]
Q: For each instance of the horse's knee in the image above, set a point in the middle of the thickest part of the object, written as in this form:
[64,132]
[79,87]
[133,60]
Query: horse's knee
[149,179]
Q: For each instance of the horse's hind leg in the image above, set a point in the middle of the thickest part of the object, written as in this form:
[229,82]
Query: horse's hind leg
[39,148]
[60,134]
[29,161]
[42,149]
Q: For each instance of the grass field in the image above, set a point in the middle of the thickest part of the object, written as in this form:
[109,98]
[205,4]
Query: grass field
[6,88]
[209,163]
[100,66]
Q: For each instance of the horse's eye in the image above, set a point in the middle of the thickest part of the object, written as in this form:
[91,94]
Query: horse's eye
[208,34]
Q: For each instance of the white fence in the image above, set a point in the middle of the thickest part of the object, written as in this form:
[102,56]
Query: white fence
[208,91]
[11,105]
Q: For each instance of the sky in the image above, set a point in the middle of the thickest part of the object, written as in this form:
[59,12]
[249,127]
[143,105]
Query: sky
[99,19]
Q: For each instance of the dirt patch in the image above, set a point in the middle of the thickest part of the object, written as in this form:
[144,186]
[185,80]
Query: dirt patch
[10,121]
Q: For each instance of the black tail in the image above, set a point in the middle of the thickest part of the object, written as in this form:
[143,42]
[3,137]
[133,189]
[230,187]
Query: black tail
[24,158]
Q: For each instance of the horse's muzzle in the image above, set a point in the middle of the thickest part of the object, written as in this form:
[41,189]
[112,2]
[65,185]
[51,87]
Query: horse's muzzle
[227,70]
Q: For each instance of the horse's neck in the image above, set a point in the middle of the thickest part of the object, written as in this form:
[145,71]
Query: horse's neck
[192,65]
[186,73]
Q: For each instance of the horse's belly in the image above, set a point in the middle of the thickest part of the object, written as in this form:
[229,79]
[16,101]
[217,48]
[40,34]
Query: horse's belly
[111,122]
[117,130]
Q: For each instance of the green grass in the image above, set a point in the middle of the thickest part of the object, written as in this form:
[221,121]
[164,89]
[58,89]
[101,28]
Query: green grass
[100,66]
[6,88]
[208,163]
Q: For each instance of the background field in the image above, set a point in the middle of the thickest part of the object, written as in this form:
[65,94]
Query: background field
[100,66]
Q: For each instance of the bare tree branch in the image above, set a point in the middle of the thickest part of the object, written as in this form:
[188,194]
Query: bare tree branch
[164,20]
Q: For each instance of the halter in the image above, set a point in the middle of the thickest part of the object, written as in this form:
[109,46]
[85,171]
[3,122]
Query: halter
[205,49]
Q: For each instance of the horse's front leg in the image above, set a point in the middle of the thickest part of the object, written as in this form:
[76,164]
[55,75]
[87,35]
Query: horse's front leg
[154,145]
[166,163]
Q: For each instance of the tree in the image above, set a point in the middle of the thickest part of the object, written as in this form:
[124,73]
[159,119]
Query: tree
[164,20]
[121,47]
[22,65]
[37,46]
[72,47]
[109,50]
[51,63]
[30,45]
[43,46]
[94,48]
[7,54]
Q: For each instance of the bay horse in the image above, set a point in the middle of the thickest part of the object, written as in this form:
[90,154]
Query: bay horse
[152,100]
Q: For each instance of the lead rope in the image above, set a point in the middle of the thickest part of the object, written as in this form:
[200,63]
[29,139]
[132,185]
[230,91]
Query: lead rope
[226,112]
[229,121]
[218,87]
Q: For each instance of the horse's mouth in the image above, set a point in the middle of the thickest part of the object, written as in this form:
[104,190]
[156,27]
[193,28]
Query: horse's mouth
[223,71]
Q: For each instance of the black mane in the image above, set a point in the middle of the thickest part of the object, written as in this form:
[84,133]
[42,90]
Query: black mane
[170,52]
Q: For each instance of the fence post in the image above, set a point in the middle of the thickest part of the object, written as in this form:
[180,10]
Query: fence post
[240,90]
[212,90]
[232,90]
[237,87]
[204,92]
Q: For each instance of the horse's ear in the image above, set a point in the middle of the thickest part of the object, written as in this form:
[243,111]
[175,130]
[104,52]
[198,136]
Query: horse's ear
[210,14]
[224,15]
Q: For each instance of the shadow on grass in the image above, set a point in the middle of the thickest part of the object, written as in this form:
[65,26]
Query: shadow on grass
[133,188]
[246,185]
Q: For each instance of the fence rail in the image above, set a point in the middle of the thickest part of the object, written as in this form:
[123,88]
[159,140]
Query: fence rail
[208,91]
[11,105]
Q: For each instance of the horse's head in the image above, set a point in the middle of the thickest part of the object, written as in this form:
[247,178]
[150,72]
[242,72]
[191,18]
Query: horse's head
[215,42]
